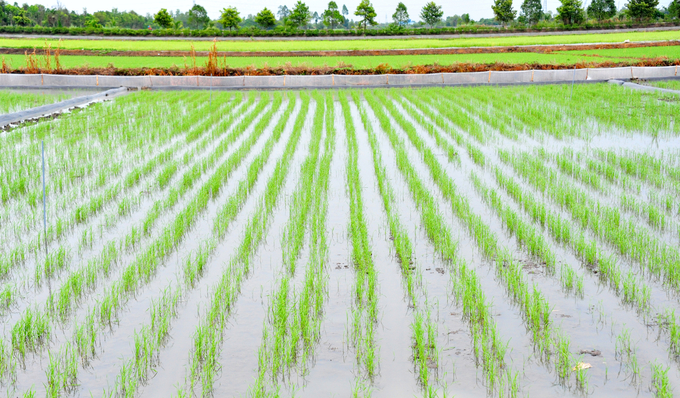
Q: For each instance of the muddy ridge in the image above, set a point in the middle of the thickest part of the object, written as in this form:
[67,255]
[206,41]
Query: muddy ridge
[342,69]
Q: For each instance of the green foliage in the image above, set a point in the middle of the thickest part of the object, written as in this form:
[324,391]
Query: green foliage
[674,9]
[431,13]
[21,19]
[332,16]
[300,15]
[602,9]
[400,16]
[531,11]
[367,14]
[571,12]
[503,12]
[265,18]
[641,9]
[198,17]
[230,18]
[164,19]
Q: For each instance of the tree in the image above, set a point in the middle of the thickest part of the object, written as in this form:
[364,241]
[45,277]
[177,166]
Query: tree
[198,17]
[300,15]
[332,16]
[532,11]
[230,18]
[93,23]
[602,9]
[400,16]
[20,18]
[674,9]
[265,18]
[367,14]
[571,12]
[642,9]
[502,10]
[431,14]
[283,12]
[465,18]
[164,19]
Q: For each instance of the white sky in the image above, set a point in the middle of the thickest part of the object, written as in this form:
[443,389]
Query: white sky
[385,8]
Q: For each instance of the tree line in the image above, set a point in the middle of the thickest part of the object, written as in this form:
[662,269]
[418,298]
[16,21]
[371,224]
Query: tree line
[299,16]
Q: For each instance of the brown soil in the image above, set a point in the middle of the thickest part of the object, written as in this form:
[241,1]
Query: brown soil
[354,53]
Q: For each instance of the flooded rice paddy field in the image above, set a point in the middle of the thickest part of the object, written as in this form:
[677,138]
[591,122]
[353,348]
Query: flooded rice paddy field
[518,241]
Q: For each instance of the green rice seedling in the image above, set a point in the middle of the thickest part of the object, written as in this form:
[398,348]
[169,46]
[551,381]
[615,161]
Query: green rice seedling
[8,296]
[605,221]
[207,338]
[490,352]
[31,332]
[54,263]
[660,381]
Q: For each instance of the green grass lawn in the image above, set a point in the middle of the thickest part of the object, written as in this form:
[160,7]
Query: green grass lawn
[396,61]
[290,45]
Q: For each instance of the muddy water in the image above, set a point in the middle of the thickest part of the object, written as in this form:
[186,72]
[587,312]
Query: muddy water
[332,368]
[648,350]
[592,322]
[110,364]
[103,234]
[520,352]
[136,311]
[243,336]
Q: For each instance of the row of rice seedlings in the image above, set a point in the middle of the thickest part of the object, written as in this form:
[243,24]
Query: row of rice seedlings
[84,279]
[301,200]
[143,267]
[11,102]
[192,175]
[632,240]
[489,349]
[207,340]
[293,326]
[492,106]
[86,335]
[634,290]
[152,337]
[644,166]
[72,167]
[62,225]
[362,316]
[657,258]
[529,237]
[660,173]
[567,163]
[423,329]
[645,112]
[531,302]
